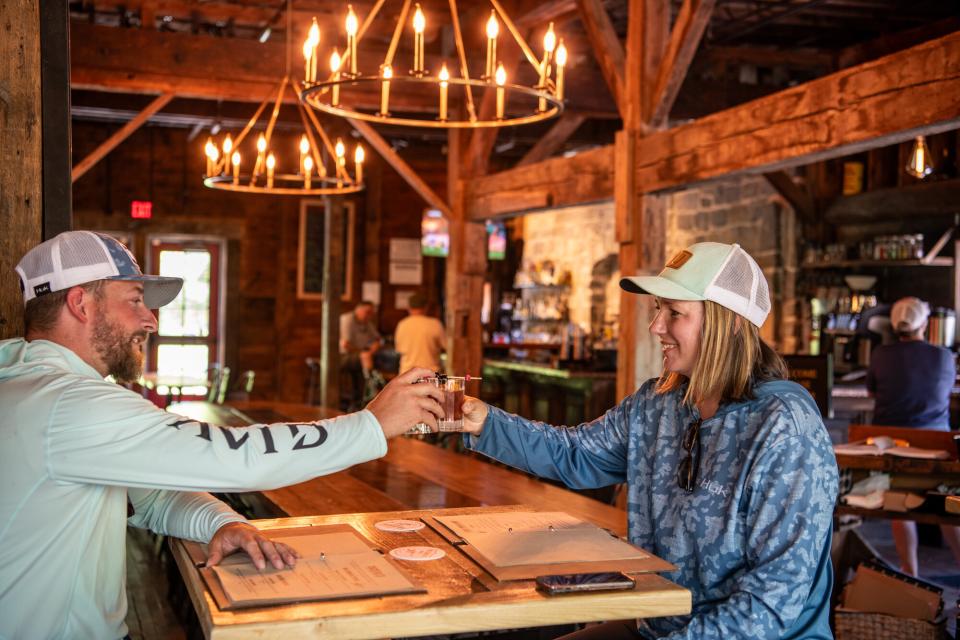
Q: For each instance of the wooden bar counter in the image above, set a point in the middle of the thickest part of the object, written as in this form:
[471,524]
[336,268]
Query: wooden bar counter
[461,596]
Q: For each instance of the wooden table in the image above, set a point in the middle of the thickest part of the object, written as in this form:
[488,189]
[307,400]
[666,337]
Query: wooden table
[413,475]
[461,596]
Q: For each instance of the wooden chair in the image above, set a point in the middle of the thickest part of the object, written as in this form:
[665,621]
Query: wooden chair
[218,386]
[244,386]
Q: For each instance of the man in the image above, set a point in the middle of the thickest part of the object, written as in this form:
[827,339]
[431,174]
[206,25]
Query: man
[359,341]
[419,338]
[80,455]
[911,382]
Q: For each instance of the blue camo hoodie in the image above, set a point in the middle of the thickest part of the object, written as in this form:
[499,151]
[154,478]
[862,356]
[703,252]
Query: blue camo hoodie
[751,542]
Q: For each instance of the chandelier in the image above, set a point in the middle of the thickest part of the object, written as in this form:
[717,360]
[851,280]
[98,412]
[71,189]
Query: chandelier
[344,87]
[321,167]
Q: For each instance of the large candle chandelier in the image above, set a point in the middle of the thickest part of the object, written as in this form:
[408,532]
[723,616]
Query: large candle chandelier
[335,88]
[322,164]
[322,167]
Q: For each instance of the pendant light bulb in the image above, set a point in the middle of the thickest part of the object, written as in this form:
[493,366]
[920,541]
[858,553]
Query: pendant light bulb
[918,164]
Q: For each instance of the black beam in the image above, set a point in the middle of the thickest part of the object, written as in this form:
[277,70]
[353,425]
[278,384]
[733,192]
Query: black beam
[55,113]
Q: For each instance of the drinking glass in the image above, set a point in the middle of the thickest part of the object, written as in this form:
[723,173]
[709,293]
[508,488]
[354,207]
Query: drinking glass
[451,388]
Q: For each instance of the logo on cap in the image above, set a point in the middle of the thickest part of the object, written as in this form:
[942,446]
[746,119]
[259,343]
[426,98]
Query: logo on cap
[679,260]
[41,289]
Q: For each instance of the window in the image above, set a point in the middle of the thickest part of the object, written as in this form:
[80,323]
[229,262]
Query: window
[188,340]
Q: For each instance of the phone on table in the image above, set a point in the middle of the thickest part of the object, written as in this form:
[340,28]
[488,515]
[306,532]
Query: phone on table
[574,582]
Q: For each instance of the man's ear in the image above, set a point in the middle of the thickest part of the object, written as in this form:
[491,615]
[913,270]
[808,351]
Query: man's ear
[80,303]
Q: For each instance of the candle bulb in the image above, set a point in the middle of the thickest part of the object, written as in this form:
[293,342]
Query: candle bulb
[561,62]
[386,72]
[549,42]
[314,38]
[307,54]
[358,163]
[352,26]
[501,79]
[227,148]
[261,148]
[271,163]
[335,63]
[304,148]
[209,150]
[339,150]
[236,167]
[493,30]
[307,171]
[444,81]
[419,24]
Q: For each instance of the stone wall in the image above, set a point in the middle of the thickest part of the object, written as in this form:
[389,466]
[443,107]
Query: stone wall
[579,240]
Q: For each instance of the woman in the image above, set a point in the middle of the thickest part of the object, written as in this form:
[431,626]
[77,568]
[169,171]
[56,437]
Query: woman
[729,470]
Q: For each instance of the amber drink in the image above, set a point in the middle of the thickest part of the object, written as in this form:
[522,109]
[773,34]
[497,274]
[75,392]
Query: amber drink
[452,389]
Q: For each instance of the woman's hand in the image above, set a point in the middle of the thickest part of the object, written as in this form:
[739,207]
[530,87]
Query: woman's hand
[474,415]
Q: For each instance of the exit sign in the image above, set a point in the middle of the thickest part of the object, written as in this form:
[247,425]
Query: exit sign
[141,209]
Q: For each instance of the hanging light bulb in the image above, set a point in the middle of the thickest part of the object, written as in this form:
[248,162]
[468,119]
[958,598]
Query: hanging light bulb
[918,164]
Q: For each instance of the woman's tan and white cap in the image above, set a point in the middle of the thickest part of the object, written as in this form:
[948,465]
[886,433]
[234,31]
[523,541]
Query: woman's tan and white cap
[722,273]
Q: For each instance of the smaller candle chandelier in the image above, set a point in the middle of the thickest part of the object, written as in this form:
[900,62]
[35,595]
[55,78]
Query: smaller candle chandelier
[312,177]
[338,93]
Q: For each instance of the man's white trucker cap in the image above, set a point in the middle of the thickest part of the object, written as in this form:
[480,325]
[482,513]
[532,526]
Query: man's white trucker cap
[78,257]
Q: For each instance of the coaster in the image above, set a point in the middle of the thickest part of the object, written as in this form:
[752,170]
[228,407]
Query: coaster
[401,526]
[417,554]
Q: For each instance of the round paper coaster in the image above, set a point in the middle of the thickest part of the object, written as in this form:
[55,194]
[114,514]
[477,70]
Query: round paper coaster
[418,554]
[402,526]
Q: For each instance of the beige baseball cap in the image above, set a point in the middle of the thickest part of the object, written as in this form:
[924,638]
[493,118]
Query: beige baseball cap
[722,273]
[909,314]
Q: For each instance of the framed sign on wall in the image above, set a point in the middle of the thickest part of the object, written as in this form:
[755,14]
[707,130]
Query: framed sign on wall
[310,249]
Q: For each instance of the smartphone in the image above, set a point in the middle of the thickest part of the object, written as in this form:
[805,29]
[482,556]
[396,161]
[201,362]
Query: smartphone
[608,581]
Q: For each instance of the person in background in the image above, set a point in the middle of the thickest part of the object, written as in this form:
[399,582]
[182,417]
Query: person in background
[911,381]
[359,341]
[82,457]
[729,471]
[420,339]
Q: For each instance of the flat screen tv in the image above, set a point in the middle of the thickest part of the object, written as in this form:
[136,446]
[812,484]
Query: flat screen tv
[496,240]
[435,234]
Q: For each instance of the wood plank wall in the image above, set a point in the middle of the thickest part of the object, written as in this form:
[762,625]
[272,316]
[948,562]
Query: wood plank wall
[20,152]
[268,329]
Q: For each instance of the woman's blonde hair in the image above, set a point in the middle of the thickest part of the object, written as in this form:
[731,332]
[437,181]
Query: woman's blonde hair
[733,358]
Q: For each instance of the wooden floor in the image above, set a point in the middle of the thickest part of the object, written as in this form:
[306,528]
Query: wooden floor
[149,613]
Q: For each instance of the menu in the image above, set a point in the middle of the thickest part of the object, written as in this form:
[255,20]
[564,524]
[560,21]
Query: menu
[333,565]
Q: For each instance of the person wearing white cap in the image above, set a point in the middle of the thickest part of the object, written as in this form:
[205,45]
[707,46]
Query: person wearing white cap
[729,471]
[911,381]
[81,457]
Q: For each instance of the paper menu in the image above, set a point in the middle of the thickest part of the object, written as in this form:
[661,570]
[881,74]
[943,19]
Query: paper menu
[514,539]
[332,565]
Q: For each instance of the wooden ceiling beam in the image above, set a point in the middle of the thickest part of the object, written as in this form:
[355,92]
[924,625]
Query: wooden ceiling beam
[606,47]
[554,139]
[400,165]
[797,196]
[556,182]
[206,67]
[685,38]
[915,91]
[889,43]
[119,136]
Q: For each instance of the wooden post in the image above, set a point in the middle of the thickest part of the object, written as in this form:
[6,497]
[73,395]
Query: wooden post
[21,166]
[55,90]
[333,252]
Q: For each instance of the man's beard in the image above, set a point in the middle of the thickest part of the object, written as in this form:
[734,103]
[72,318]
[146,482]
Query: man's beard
[123,358]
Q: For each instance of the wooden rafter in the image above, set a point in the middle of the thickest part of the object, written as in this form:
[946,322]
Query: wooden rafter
[915,91]
[685,38]
[551,142]
[400,165]
[482,140]
[119,136]
[607,49]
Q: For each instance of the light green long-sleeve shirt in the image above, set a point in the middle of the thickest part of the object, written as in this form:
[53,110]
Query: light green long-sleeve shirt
[73,447]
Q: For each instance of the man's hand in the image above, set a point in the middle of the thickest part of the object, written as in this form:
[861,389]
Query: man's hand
[474,415]
[402,404]
[242,535]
